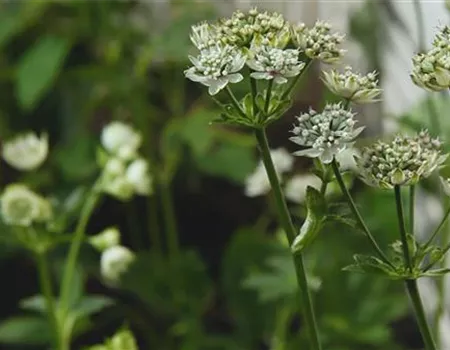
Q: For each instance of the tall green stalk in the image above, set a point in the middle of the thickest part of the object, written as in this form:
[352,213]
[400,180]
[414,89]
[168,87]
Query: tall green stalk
[47,290]
[289,229]
[411,284]
[173,245]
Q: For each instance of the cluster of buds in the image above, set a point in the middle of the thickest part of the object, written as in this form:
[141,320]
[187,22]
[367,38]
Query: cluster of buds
[325,135]
[431,70]
[125,172]
[20,206]
[26,151]
[318,42]
[403,161]
[351,86]
[258,39]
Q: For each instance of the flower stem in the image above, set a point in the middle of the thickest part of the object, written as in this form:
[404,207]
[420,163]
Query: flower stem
[235,102]
[356,213]
[254,90]
[438,229]
[296,79]
[412,201]
[268,95]
[413,291]
[401,223]
[74,250]
[173,245]
[46,289]
[288,227]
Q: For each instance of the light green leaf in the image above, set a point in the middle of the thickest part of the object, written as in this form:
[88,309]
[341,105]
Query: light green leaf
[34,303]
[315,218]
[91,304]
[39,68]
[25,330]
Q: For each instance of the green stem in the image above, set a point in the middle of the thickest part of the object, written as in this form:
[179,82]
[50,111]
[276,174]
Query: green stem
[420,314]
[401,223]
[438,229]
[268,95]
[412,201]
[356,213]
[254,90]
[170,225]
[153,224]
[235,102]
[47,290]
[288,227]
[69,270]
[296,79]
[420,26]
[434,115]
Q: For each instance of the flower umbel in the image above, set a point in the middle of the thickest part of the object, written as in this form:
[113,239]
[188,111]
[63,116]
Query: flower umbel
[121,140]
[26,151]
[216,66]
[108,238]
[114,262]
[325,134]
[403,161]
[204,35]
[318,42]
[274,63]
[355,87]
[21,206]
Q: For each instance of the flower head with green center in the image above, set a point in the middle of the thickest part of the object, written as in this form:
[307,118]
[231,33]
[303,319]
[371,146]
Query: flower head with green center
[114,262]
[26,151]
[216,66]
[242,28]
[325,134]
[20,206]
[431,70]
[403,161]
[318,42]
[274,63]
[355,87]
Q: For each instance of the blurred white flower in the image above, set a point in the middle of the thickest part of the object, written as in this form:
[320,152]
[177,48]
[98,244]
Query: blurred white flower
[114,262]
[114,166]
[346,159]
[21,206]
[108,238]
[26,151]
[139,176]
[121,140]
[257,183]
[118,186]
[295,189]
[216,66]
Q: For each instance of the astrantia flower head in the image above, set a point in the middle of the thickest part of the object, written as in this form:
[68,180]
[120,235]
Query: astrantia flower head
[204,35]
[318,42]
[355,87]
[138,175]
[121,140]
[243,28]
[403,161]
[325,134]
[431,70]
[258,183]
[26,151]
[216,66]
[296,186]
[274,63]
[442,38]
[21,206]
[108,238]
[114,262]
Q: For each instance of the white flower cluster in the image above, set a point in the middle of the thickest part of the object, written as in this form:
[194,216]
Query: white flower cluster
[354,87]
[260,40]
[26,151]
[296,186]
[403,161]
[431,70]
[125,173]
[325,134]
[274,63]
[318,42]
[257,184]
[115,259]
[20,206]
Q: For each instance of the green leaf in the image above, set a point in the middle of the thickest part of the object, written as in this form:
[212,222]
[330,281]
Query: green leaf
[315,217]
[372,265]
[25,330]
[38,69]
[34,303]
[436,272]
[91,304]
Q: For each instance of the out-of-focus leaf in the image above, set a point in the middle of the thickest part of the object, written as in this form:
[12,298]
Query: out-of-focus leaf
[25,330]
[34,303]
[38,69]
[91,304]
